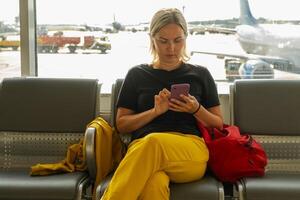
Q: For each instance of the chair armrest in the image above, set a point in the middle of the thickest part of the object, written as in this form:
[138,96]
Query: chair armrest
[103,185]
[126,138]
[90,151]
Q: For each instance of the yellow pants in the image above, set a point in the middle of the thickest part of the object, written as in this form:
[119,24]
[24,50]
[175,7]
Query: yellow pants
[155,160]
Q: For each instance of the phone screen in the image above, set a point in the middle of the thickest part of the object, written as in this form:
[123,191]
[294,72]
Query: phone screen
[178,89]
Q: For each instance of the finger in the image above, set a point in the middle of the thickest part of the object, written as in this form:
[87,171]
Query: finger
[186,98]
[175,107]
[180,106]
[164,93]
[192,98]
[176,101]
[165,90]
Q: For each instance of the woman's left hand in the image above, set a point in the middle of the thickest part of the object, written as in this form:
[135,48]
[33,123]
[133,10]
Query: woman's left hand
[188,104]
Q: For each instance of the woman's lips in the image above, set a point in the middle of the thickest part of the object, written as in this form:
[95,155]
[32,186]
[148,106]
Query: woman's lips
[171,55]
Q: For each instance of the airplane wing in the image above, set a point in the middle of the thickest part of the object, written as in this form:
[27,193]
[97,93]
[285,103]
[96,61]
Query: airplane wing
[245,57]
[218,29]
[221,55]
[281,66]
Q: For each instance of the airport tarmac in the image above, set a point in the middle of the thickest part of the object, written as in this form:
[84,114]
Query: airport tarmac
[128,49]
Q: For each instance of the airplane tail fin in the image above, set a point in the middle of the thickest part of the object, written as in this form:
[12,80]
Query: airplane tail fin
[245,14]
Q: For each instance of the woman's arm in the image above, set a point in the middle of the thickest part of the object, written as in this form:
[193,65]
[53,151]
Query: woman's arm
[128,121]
[211,117]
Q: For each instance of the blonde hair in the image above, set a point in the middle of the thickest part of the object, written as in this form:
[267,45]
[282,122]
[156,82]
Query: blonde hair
[162,18]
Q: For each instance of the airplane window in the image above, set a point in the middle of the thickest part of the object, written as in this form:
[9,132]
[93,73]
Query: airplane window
[103,39]
[9,39]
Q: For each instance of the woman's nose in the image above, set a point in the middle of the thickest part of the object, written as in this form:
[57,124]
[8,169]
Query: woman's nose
[171,45]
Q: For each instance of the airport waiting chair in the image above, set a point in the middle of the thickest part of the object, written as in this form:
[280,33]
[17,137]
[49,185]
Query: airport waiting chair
[207,188]
[39,119]
[269,110]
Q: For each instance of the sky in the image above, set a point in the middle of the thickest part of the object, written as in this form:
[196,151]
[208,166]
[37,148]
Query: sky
[137,11]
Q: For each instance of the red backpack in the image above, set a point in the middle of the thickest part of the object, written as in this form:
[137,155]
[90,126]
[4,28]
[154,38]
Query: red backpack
[233,156]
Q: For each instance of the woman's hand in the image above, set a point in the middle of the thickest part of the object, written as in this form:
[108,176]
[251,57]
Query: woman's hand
[128,121]
[188,104]
[161,102]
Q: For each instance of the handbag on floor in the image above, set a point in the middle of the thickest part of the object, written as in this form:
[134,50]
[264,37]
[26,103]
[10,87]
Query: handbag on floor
[233,156]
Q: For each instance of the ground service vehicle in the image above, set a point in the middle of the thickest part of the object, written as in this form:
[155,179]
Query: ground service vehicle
[51,44]
[7,42]
[232,67]
[99,43]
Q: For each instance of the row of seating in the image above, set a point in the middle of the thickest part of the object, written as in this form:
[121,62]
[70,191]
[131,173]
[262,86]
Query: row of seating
[270,111]
[41,117]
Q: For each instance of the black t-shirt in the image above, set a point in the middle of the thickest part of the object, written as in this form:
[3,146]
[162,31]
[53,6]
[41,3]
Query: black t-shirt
[142,82]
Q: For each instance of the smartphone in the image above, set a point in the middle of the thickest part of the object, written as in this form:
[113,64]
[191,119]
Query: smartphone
[178,89]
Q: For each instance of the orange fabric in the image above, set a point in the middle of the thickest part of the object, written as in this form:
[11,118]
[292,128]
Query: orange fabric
[74,161]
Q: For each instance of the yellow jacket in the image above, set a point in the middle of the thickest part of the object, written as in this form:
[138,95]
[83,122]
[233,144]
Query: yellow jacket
[108,151]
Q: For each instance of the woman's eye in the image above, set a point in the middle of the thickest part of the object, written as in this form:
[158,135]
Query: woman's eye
[178,40]
[163,41]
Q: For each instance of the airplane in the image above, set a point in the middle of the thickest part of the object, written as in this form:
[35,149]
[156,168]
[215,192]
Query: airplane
[267,47]
[5,34]
[8,30]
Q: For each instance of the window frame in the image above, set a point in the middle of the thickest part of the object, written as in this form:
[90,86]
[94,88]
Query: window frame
[28,48]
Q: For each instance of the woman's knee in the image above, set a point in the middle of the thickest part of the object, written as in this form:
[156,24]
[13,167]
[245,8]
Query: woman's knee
[151,141]
[153,137]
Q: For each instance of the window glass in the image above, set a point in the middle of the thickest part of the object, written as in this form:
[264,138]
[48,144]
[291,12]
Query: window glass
[103,39]
[9,39]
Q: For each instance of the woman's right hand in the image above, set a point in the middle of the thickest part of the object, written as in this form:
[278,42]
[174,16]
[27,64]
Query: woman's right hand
[161,102]
[128,121]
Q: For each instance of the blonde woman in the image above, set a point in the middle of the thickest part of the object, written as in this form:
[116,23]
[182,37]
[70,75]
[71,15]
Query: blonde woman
[166,143]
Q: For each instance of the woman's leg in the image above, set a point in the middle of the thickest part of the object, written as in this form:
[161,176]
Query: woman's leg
[182,157]
[157,187]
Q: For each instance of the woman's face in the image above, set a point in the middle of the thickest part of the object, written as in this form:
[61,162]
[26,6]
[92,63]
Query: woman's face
[169,43]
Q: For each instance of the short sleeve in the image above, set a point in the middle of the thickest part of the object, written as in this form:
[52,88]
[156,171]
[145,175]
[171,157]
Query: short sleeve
[128,93]
[210,94]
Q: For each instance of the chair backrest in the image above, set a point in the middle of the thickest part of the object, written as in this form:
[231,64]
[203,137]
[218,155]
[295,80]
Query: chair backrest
[267,106]
[41,117]
[269,110]
[116,87]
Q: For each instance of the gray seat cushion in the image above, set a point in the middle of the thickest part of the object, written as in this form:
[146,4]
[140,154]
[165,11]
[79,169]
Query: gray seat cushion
[273,186]
[17,184]
[207,188]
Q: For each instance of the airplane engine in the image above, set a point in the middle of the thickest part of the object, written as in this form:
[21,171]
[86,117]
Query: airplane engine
[254,69]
